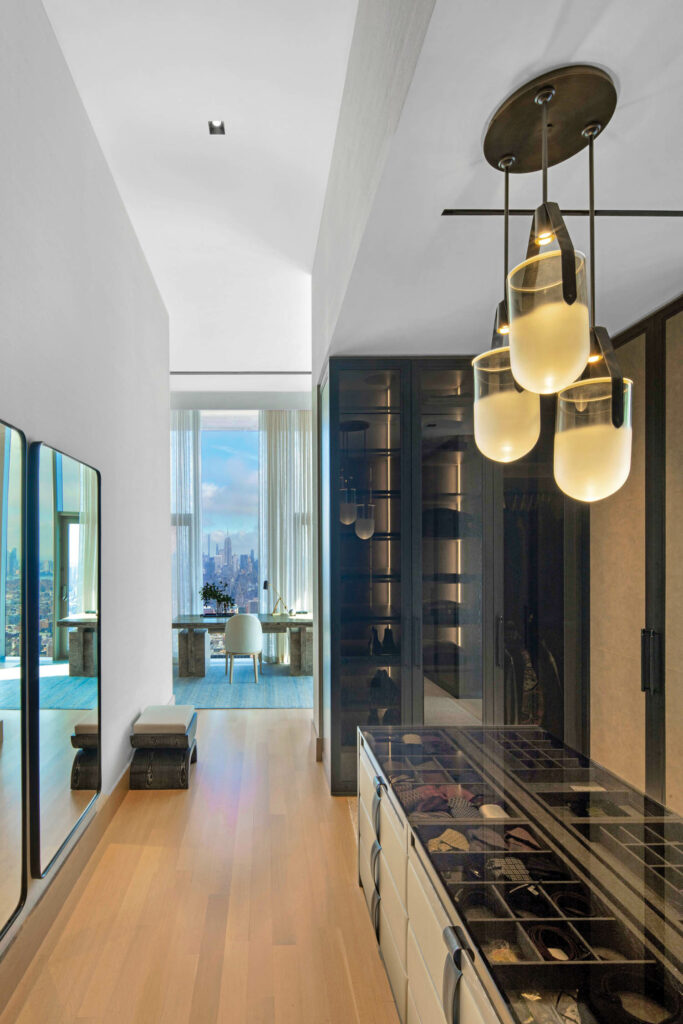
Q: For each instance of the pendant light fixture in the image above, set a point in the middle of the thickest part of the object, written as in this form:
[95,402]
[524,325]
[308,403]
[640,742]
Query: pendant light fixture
[546,295]
[593,432]
[553,334]
[507,419]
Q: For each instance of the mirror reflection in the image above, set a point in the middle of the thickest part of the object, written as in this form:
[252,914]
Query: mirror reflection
[68,498]
[11,673]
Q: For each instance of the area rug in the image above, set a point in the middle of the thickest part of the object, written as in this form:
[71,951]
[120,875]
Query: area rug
[57,693]
[275,688]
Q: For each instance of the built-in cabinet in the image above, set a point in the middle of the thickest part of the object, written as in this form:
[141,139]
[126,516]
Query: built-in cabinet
[512,880]
[430,972]
[445,583]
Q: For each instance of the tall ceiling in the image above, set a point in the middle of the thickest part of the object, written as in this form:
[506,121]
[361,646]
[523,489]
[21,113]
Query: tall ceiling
[426,284]
[228,223]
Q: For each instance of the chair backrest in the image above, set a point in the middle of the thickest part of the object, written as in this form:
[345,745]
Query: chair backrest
[243,635]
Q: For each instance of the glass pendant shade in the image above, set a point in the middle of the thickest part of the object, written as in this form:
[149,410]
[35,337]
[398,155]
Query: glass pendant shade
[592,457]
[365,522]
[549,339]
[507,422]
[347,509]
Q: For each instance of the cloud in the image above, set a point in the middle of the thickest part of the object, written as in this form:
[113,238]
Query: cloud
[234,499]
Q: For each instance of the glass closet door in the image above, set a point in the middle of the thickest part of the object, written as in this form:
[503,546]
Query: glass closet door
[618,599]
[448,533]
[368,527]
[530,642]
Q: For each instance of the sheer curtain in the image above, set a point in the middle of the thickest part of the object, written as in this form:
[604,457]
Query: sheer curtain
[186,510]
[87,541]
[285,515]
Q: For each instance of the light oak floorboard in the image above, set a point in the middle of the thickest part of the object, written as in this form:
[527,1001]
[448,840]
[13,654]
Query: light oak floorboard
[237,901]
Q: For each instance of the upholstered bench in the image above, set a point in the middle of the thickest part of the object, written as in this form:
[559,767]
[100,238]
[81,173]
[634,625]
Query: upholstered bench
[164,740]
[86,739]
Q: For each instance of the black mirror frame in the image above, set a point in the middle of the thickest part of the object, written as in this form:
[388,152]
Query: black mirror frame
[22,690]
[33,657]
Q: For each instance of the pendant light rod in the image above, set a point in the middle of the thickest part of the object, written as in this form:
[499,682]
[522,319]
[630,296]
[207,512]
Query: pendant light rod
[591,131]
[497,212]
[505,163]
[543,98]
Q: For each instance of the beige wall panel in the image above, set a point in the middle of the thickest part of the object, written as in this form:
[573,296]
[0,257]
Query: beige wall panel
[617,721]
[674,563]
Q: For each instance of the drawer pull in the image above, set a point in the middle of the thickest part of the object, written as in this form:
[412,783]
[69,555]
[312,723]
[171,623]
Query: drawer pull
[374,861]
[374,911]
[376,800]
[452,973]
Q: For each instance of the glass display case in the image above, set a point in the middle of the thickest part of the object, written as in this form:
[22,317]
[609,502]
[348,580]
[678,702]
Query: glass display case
[568,879]
[448,545]
[365,586]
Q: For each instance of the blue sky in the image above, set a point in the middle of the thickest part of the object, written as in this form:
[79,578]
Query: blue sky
[230,484]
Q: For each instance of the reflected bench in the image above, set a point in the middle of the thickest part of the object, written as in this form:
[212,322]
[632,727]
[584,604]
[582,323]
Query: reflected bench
[86,739]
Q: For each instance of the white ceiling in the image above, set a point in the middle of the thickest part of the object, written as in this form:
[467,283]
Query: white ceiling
[426,284]
[228,224]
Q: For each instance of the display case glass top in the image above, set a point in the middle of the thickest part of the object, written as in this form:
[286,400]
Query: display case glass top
[570,881]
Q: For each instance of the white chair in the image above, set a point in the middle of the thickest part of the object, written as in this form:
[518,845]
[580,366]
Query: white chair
[243,638]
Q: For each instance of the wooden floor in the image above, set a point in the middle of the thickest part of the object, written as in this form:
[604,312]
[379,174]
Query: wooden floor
[236,901]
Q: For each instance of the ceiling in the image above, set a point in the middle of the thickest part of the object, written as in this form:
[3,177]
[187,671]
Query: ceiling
[228,223]
[426,284]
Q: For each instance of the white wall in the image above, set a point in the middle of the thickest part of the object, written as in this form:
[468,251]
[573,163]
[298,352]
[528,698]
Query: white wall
[84,343]
[387,40]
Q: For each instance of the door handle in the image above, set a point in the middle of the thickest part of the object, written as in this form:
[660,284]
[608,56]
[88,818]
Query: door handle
[650,660]
[500,641]
[452,973]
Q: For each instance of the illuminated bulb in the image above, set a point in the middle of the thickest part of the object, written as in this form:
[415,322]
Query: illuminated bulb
[546,238]
[504,329]
[594,359]
[216,124]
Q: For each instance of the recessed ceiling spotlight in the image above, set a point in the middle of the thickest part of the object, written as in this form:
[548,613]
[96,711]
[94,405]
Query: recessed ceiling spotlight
[216,127]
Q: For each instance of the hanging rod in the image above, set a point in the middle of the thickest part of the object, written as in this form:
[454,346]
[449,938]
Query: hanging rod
[482,212]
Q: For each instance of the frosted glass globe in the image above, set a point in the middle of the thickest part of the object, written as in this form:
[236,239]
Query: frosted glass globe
[592,457]
[507,422]
[549,339]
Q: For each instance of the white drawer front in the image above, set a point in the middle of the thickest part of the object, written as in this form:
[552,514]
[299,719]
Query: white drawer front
[475,1010]
[395,966]
[366,786]
[427,1001]
[394,839]
[366,874]
[393,907]
[412,1016]
[365,826]
[427,919]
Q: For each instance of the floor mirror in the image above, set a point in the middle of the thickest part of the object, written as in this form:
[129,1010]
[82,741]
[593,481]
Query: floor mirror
[12,675]
[64,648]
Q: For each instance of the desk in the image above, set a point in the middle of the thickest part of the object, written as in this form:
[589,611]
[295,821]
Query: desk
[193,640]
[82,643]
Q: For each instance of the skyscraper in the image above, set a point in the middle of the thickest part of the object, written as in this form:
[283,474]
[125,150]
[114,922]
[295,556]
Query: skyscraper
[227,550]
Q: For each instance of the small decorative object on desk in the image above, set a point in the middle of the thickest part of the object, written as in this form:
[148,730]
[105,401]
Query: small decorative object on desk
[218,593]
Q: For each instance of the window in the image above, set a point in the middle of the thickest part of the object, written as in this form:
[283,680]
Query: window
[230,504]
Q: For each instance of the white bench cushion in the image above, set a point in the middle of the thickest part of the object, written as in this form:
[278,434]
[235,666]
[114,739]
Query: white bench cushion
[164,718]
[86,724]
